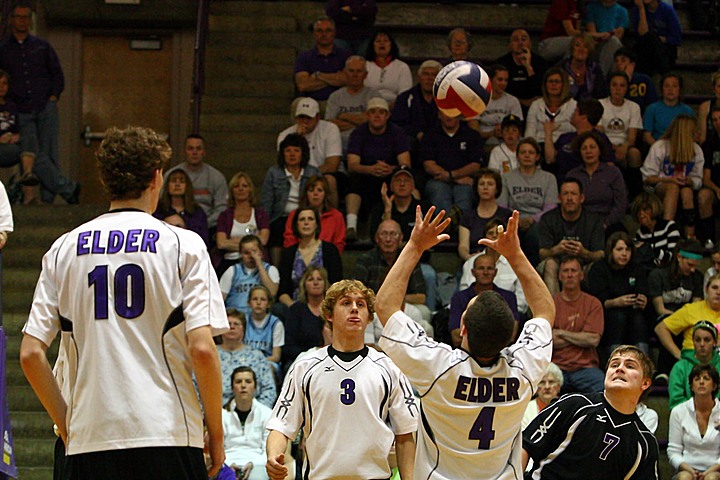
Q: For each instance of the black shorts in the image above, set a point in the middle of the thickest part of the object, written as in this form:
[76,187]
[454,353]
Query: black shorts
[158,463]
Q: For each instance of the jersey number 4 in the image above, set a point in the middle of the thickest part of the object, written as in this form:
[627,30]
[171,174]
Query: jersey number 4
[482,429]
[128,285]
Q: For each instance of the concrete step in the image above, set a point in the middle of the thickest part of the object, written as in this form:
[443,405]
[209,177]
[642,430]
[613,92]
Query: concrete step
[19,279]
[239,141]
[23,256]
[228,122]
[13,323]
[35,473]
[304,12]
[283,89]
[243,22]
[242,72]
[250,56]
[31,424]
[35,452]
[17,300]
[22,398]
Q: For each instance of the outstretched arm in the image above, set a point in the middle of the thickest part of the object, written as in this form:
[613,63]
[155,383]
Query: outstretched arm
[536,293]
[426,234]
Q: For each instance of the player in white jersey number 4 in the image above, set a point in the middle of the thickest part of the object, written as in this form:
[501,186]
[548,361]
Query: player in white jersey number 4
[473,398]
[138,303]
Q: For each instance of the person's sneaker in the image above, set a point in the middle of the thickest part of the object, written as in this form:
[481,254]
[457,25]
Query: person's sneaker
[709,245]
[350,235]
[660,379]
[29,179]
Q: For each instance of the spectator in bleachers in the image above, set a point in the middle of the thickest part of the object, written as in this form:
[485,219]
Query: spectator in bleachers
[658,26]
[526,69]
[354,20]
[622,123]
[177,205]
[693,436]
[488,186]
[210,186]
[659,115]
[283,186]
[387,74]
[584,119]
[556,105]
[641,88]
[375,149]
[346,105]
[704,337]
[674,168]
[459,44]
[578,328]
[398,202]
[233,352]
[502,104]
[319,71]
[332,222]
[656,238]
[532,191]
[483,271]
[614,280]
[548,390]
[251,270]
[710,193]
[706,128]
[323,139]
[569,230]
[451,154]
[603,183]
[265,331]
[606,21]
[503,158]
[586,76]
[714,268]
[6,218]
[242,217]
[563,22]
[304,324]
[309,251]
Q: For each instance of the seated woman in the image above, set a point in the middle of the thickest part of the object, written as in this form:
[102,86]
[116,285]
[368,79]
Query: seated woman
[556,105]
[614,281]
[693,438]
[241,218]
[244,420]
[656,238]
[387,75]
[332,221]
[177,205]
[278,197]
[310,250]
[233,352]
[586,76]
[548,390]
[674,169]
[304,324]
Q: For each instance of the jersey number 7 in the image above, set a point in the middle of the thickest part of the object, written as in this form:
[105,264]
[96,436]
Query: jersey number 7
[482,430]
[128,291]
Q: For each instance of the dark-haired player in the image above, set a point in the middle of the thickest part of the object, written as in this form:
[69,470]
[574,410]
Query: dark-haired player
[597,436]
[138,303]
[472,399]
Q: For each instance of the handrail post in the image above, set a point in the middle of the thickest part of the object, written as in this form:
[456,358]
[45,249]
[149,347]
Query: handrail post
[199,66]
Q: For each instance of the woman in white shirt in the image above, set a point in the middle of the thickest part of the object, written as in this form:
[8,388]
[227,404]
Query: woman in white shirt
[387,75]
[556,105]
[621,121]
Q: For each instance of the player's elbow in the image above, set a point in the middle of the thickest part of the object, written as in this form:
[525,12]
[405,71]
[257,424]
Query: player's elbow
[31,354]
[201,347]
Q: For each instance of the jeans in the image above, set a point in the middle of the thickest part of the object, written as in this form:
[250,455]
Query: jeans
[9,155]
[445,195]
[430,277]
[39,134]
[585,380]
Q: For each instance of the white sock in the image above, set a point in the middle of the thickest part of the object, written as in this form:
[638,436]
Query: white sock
[351,221]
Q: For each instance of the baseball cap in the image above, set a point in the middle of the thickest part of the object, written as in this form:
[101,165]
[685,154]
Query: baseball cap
[403,169]
[706,325]
[307,106]
[511,120]
[378,102]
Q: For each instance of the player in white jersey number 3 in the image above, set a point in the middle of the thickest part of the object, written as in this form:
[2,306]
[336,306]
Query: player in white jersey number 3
[138,303]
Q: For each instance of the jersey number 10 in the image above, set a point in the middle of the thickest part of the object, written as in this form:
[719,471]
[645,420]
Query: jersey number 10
[128,285]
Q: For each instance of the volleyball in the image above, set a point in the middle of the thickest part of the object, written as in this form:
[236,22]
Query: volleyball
[462,88]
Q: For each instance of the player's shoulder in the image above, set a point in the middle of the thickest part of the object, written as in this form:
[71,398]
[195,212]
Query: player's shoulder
[581,402]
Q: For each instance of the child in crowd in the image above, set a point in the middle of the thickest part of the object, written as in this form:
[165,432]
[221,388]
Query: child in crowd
[236,282]
[714,268]
[265,331]
[503,158]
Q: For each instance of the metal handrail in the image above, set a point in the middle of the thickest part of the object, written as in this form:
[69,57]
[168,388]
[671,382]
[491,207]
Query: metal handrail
[199,61]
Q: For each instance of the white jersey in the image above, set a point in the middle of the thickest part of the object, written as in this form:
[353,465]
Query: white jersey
[126,288]
[471,415]
[357,406]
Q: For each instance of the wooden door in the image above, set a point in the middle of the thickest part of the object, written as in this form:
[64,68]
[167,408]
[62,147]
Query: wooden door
[121,87]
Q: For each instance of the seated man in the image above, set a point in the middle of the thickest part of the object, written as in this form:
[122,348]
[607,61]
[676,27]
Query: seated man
[579,325]
[451,154]
[323,138]
[704,337]
[484,271]
[658,26]
[375,149]
[526,69]
[319,71]
[397,203]
[569,230]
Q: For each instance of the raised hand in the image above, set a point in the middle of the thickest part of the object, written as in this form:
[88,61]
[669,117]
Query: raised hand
[507,243]
[428,230]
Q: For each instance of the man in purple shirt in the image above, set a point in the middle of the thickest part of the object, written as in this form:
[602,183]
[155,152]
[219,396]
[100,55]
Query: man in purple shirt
[36,82]
[320,70]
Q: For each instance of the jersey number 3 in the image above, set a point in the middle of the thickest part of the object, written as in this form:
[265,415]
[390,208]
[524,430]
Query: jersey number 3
[128,291]
[482,429]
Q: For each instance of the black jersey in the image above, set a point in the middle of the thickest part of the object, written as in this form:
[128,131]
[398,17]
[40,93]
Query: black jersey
[583,437]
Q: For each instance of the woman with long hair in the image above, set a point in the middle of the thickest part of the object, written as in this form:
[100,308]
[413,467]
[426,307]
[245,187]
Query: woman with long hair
[586,76]
[674,169]
[386,73]
[705,125]
[556,106]
[241,218]
[177,205]
[656,238]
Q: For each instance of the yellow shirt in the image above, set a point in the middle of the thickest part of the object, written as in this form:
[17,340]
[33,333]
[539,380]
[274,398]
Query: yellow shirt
[687,316]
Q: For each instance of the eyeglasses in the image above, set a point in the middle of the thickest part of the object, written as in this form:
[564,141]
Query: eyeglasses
[388,234]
